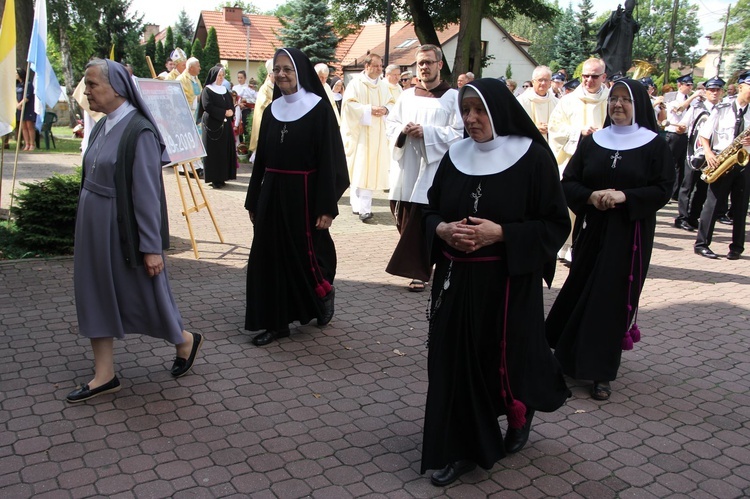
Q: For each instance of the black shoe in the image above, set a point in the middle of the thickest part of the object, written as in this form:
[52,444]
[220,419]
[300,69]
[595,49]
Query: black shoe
[182,366]
[365,216]
[706,252]
[733,255]
[725,220]
[601,390]
[327,308]
[268,336]
[83,392]
[685,225]
[516,438]
[450,473]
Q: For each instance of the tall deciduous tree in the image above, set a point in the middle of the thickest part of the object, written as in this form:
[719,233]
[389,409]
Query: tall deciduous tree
[309,29]
[541,34]
[739,24]
[184,26]
[655,18]
[211,54]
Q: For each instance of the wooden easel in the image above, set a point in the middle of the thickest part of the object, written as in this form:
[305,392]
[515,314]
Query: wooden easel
[190,176]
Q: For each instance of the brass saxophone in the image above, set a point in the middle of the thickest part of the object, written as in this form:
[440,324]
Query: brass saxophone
[735,154]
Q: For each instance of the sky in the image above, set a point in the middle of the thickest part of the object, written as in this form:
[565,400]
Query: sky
[165,12]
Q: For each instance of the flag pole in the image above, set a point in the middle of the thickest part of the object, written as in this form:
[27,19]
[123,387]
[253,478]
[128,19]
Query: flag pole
[19,126]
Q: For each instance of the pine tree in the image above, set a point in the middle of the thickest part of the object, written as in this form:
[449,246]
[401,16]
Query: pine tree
[741,60]
[211,54]
[568,41]
[169,42]
[309,29]
[184,26]
[160,57]
[179,41]
[584,17]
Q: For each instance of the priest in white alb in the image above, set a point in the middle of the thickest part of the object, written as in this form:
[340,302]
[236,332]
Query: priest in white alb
[539,100]
[366,103]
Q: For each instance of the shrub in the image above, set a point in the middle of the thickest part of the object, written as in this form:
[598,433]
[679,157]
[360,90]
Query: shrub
[46,213]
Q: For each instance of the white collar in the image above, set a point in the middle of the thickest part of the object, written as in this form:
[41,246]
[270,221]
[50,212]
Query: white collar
[219,89]
[487,158]
[294,106]
[623,138]
[117,115]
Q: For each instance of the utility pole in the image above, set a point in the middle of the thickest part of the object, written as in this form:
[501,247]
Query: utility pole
[387,34]
[723,39]
[671,42]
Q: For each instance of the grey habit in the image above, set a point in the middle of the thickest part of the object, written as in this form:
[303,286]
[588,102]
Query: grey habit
[112,298]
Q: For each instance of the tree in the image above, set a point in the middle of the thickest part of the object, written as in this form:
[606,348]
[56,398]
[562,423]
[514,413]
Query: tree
[169,45]
[541,34]
[179,41]
[430,15]
[184,26]
[160,58]
[309,29]
[247,7]
[568,41]
[739,24]
[741,60]
[655,18]
[197,51]
[151,48]
[211,54]
[584,18]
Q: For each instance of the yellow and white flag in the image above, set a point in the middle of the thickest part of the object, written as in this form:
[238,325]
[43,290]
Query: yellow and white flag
[8,69]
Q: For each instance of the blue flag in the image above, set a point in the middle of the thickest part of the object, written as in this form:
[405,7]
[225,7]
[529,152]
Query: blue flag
[46,87]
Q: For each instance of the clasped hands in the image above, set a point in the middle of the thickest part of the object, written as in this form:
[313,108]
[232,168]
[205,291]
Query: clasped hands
[413,130]
[469,238]
[606,199]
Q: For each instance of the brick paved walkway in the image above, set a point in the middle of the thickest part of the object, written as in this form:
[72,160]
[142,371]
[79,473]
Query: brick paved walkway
[337,412]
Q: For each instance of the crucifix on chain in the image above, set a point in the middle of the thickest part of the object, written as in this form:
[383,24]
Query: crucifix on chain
[615,158]
[476,195]
[284,131]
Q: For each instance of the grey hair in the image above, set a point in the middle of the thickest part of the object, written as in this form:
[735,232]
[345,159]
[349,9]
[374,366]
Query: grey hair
[539,70]
[322,69]
[391,67]
[470,75]
[102,65]
[191,62]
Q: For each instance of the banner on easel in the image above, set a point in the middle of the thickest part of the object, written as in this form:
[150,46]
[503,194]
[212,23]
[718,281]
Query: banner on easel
[167,103]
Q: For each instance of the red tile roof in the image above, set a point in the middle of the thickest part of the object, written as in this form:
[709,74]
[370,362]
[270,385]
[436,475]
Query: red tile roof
[233,38]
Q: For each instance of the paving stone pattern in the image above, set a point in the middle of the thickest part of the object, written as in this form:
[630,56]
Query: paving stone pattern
[337,412]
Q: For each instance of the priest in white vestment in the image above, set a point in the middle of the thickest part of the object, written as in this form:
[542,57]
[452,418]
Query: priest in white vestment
[421,127]
[577,114]
[539,100]
[366,103]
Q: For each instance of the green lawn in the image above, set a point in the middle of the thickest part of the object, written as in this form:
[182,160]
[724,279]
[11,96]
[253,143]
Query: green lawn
[64,142]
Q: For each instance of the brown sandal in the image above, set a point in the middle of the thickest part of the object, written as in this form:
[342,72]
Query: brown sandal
[601,390]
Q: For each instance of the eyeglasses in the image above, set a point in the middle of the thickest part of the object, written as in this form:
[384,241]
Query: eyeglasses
[426,63]
[624,100]
[593,77]
[542,80]
[404,79]
[286,70]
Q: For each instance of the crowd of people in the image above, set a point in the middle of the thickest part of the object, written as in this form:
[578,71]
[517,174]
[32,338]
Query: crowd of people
[487,187]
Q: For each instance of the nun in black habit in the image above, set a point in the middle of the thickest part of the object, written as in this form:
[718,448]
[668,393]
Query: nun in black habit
[298,176]
[119,273]
[498,211]
[216,110]
[615,183]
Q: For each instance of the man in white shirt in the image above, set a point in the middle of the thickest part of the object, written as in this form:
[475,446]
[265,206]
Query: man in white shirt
[421,127]
[676,133]
[726,122]
[170,66]
[366,103]
[692,193]
[539,101]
